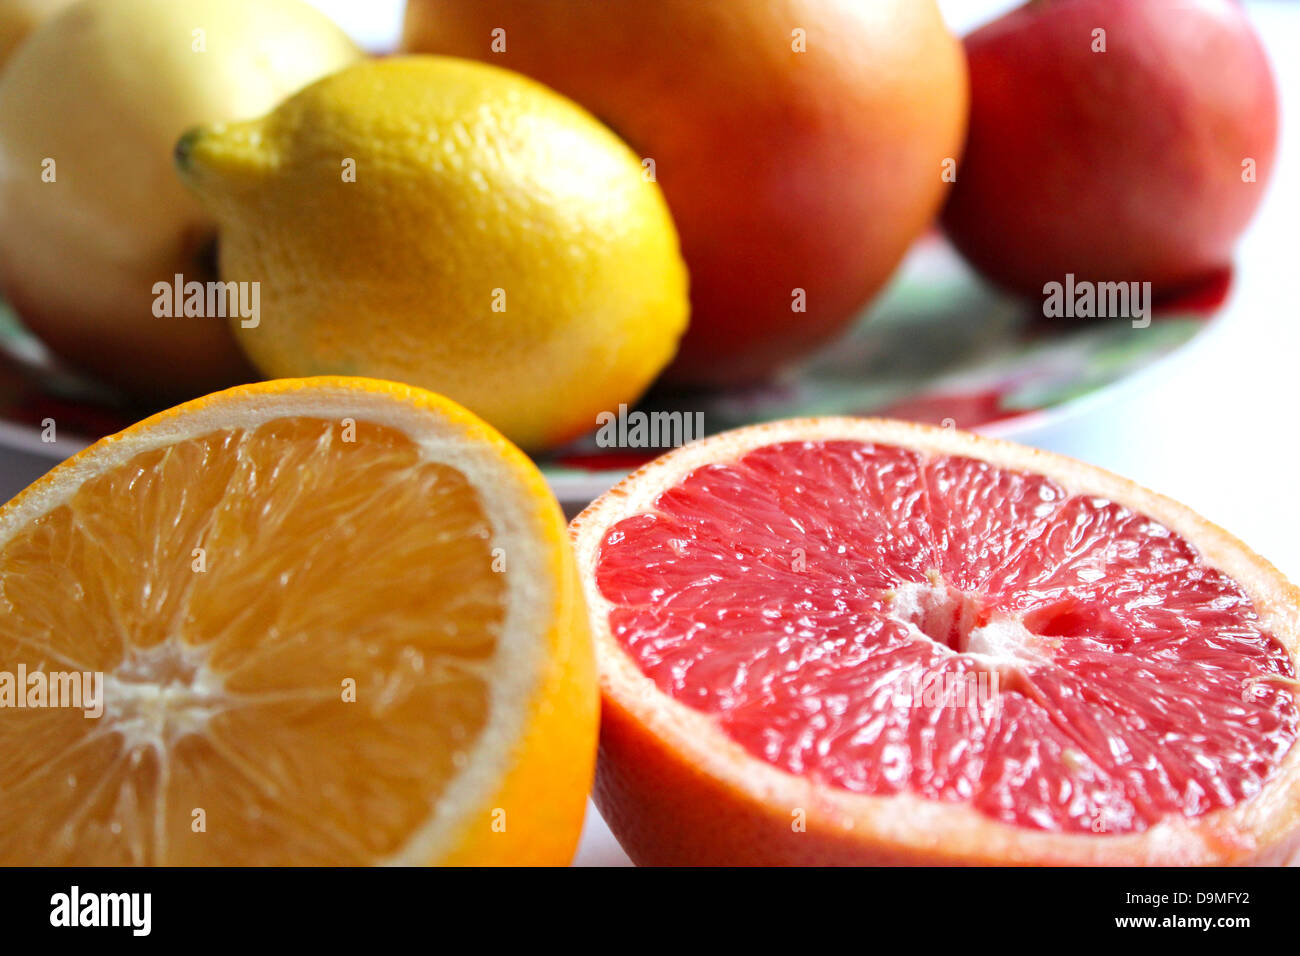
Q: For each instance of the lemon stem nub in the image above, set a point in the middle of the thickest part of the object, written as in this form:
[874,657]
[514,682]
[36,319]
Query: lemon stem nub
[183,153]
[222,158]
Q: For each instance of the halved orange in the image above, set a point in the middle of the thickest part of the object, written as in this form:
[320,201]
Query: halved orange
[337,622]
[854,641]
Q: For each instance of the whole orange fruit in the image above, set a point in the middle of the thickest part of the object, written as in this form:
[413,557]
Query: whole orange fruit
[801,143]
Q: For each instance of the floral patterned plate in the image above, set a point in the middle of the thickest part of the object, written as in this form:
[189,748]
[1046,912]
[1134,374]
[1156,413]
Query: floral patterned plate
[938,346]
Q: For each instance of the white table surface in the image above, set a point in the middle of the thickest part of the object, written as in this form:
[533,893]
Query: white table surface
[1215,427]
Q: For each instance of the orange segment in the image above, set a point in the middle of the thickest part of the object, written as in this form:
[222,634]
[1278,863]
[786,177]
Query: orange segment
[324,631]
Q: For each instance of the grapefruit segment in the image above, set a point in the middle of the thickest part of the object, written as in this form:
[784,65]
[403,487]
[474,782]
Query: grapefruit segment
[879,611]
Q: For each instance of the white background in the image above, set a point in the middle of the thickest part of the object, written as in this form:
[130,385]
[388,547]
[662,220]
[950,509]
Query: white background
[1215,427]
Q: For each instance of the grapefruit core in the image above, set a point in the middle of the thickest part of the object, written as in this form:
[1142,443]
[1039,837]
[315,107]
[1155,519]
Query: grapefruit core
[787,618]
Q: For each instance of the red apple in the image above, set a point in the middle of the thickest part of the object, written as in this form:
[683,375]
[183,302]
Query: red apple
[1118,140]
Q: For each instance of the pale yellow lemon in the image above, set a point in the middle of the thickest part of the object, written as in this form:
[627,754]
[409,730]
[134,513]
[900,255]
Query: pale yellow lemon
[91,214]
[18,17]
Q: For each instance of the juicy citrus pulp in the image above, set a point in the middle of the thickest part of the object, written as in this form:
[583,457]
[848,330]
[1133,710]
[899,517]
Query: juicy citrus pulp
[326,612]
[880,618]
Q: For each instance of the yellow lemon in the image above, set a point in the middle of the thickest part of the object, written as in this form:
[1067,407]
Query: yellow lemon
[91,215]
[454,226]
[314,621]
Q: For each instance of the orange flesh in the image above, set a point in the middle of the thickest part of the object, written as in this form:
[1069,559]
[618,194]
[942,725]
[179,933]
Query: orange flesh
[324,560]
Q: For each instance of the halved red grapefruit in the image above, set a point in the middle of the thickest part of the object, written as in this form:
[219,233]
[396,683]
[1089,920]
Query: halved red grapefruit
[862,641]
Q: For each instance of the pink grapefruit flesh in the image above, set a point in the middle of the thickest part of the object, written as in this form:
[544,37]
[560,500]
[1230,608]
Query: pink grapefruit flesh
[789,592]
